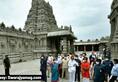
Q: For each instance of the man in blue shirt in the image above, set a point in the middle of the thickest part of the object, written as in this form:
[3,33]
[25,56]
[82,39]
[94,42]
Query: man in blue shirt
[114,71]
[108,67]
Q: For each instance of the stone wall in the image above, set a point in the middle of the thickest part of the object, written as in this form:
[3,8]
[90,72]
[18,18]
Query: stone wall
[17,57]
[32,42]
[17,44]
[114,28]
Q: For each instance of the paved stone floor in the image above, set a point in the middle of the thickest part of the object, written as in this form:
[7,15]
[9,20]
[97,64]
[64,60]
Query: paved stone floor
[29,67]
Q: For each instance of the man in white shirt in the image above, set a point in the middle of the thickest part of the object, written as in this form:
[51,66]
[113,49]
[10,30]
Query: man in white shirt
[72,69]
[81,57]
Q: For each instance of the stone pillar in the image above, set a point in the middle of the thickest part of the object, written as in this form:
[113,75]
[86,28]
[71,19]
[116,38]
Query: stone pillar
[112,30]
[69,46]
[53,46]
[113,50]
[116,50]
[116,26]
[65,45]
[111,38]
[85,48]
[116,47]
[77,48]
[92,47]
[114,55]
[116,44]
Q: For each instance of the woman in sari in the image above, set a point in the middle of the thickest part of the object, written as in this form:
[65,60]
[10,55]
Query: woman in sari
[55,71]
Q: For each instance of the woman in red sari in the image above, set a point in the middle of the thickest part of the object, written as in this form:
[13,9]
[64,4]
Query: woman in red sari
[85,67]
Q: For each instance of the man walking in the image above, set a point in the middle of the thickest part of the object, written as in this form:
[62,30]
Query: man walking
[43,67]
[7,65]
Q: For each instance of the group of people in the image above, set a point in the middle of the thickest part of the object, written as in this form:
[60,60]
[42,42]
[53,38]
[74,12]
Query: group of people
[74,68]
[65,67]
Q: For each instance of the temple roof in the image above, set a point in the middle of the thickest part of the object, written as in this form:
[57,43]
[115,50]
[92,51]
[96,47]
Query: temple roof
[61,33]
[86,43]
[91,42]
[116,41]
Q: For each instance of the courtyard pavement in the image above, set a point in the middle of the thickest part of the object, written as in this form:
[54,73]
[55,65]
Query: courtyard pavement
[26,68]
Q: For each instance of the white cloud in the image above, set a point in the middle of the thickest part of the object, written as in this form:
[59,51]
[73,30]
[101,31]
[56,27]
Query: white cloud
[14,12]
[88,17]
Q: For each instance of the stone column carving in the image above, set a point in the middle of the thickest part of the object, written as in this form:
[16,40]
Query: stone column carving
[92,47]
[112,29]
[117,50]
[53,45]
[116,26]
[85,48]
[64,44]
[68,46]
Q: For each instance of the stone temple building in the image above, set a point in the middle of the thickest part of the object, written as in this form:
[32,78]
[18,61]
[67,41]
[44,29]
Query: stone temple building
[40,35]
[91,45]
[114,28]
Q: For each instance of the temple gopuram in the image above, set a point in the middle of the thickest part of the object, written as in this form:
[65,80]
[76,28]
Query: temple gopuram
[40,36]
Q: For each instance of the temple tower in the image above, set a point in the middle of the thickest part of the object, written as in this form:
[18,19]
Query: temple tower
[40,21]
[40,17]
[42,24]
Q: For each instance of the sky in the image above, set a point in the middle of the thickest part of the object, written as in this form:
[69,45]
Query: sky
[88,18]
